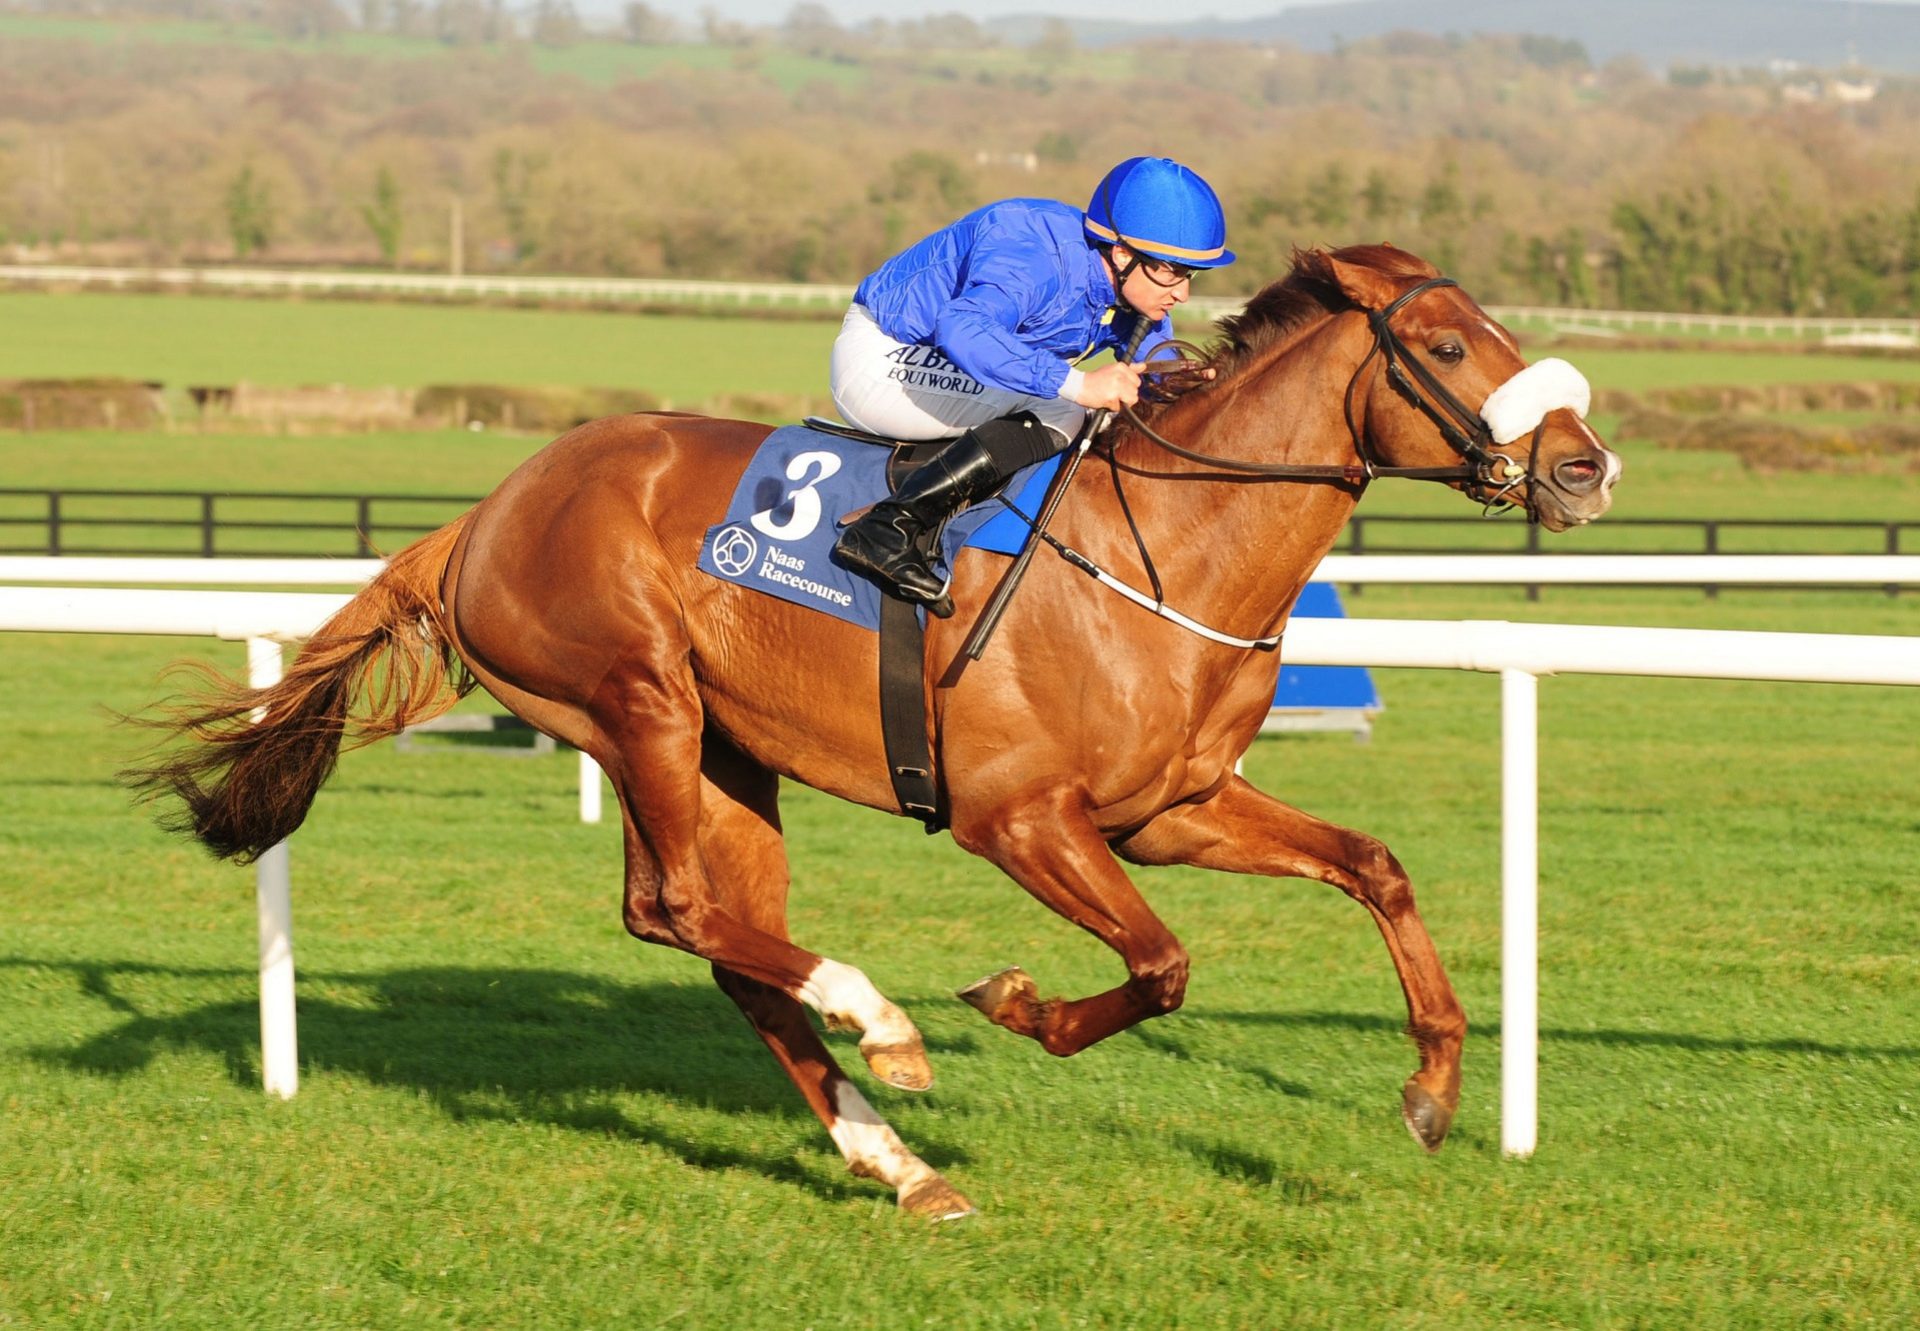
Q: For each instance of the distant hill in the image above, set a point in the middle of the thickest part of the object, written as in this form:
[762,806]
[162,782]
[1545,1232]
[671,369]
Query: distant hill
[1826,34]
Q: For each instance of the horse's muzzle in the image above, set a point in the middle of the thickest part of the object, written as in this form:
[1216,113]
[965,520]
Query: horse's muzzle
[1573,490]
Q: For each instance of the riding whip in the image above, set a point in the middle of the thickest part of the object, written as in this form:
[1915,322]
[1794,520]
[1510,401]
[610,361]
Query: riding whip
[982,633]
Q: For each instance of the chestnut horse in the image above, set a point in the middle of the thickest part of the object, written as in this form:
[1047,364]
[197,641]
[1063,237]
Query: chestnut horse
[1093,732]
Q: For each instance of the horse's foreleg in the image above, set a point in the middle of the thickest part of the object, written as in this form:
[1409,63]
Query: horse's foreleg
[1050,848]
[1242,830]
[741,844]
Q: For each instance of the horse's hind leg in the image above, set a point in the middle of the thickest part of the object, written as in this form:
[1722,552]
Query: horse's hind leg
[870,1147]
[740,841]
[649,726]
[705,869]
[671,899]
[1242,830]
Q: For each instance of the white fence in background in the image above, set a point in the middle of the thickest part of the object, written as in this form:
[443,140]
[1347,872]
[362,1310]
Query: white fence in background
[833,295]
[1895,330]
[180,571]
[1457,570]
[638,290]
[1519,653]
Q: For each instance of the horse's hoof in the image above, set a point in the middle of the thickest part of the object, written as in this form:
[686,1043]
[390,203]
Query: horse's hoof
[1426,1118]
[900,1065]
[935,1199]
[999,995]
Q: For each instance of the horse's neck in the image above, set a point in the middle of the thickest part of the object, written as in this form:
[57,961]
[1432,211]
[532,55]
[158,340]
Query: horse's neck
[1234,549]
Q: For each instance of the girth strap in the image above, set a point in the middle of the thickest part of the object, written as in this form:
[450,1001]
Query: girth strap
[903,697]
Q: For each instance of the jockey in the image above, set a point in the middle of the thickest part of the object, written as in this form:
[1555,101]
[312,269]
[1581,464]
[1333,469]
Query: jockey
[975,334]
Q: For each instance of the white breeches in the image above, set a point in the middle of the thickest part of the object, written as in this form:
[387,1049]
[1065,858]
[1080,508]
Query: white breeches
[914,392]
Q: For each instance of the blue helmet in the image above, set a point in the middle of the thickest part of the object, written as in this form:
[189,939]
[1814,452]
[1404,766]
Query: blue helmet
[1158,208]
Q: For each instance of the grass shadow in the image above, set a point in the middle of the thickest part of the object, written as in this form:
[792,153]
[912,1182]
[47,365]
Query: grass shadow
[384,790]
[1733,1044]
[518,1045]
[1161,1042]
[1292,1189]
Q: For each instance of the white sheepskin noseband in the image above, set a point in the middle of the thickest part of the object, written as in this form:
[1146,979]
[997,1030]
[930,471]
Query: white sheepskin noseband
[1519,405]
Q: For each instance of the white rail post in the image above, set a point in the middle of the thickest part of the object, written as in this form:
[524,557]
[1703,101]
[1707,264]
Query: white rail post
[273,891]
[589,789]
[1519,912]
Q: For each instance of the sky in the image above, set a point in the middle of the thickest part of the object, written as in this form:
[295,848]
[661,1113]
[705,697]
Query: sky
[857,11]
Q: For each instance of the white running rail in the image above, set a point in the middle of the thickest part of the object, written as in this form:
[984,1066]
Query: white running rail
[1486,570]
[832,295]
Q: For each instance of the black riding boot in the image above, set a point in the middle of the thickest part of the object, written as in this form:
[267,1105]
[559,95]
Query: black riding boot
[888,543]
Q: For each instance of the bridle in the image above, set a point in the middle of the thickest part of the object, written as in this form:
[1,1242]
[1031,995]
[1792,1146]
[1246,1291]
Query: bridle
[1486,475]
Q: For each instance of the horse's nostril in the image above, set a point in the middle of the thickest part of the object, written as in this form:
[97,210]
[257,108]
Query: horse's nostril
[1579,474]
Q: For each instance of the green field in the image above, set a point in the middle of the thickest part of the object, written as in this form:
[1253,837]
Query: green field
[779,366]
[601,62]
[512,1115]
[1639,370]
[180,340]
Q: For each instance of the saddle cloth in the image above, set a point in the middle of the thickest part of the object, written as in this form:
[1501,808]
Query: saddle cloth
[783,518]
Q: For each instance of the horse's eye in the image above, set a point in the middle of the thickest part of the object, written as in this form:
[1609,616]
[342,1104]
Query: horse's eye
[1448,353]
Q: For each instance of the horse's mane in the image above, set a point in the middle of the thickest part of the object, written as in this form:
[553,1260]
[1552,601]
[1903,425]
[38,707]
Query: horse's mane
[1306,293]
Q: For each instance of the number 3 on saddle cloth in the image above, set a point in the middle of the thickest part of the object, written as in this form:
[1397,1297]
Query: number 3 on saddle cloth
[780,524]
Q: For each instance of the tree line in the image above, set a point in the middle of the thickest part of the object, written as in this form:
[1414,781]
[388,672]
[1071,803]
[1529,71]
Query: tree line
[809,152]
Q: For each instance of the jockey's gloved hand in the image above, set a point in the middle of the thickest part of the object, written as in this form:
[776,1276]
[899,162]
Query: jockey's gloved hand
[1110,387]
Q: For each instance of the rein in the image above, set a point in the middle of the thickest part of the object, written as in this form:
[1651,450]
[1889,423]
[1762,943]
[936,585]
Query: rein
[1156,603]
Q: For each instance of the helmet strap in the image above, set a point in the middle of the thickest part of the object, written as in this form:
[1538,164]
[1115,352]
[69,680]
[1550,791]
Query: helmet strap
[1120,276]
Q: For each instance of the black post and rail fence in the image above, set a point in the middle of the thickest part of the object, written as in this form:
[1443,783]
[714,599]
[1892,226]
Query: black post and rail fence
[218,524]
[273,524]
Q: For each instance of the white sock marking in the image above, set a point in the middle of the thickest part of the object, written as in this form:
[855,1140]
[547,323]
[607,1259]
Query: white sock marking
[843,995]
[870,1147]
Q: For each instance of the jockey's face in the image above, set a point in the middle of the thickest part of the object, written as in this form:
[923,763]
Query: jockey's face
[1154,286]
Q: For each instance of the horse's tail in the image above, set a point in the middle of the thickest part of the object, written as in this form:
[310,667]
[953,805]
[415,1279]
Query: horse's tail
[381,664]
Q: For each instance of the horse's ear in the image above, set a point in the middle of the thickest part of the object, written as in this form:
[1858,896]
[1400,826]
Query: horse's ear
[1369,288]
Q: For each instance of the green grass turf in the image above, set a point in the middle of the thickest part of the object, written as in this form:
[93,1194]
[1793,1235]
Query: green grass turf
[601,62]
[512,1115]
[180,340]
[1640,370]
[689,360]
[391,462]
[611,62]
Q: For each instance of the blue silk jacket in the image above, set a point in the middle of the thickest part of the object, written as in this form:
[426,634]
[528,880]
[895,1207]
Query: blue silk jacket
[1012,293]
